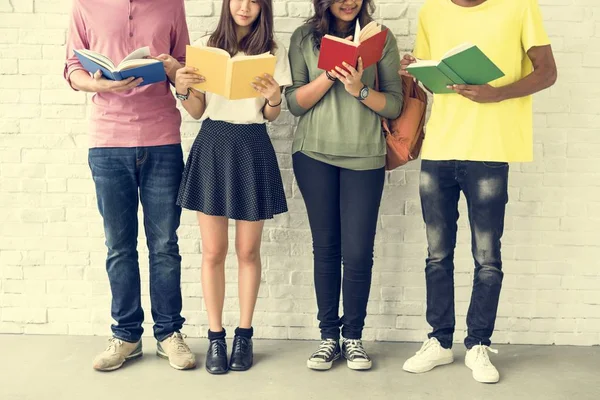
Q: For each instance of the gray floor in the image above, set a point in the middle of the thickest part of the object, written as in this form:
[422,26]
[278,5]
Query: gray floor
[58,367]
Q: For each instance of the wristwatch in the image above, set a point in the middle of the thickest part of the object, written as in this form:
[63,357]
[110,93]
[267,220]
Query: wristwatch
[183,97]
[363,94]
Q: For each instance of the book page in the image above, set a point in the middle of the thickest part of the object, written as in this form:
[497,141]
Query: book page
[128,64]
[98,58]
[138,54]
[460,48]
[356,38]
[370,30]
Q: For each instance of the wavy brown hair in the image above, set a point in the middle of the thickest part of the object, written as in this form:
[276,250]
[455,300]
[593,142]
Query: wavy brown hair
[259,40]
[323,22]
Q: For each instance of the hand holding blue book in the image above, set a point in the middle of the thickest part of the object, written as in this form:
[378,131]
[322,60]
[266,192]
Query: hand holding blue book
[134,65]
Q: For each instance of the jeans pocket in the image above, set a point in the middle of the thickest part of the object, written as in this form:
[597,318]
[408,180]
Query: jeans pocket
[495,164]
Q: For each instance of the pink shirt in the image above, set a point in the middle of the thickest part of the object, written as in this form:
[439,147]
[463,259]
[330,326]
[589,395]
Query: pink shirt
[144,116]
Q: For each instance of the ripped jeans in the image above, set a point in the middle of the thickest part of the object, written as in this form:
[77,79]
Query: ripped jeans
[485,186]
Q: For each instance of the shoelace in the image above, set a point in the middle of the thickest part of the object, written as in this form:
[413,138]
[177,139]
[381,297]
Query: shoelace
[326,349]
[355,349]
[240,344]
[426,346]
[218,348]
[482,354]
[180,345]
[114,344]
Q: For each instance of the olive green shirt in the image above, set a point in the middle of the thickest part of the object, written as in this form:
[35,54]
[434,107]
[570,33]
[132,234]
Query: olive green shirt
[340,130]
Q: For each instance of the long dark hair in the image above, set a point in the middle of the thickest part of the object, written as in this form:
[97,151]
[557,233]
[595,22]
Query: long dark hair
[323,22]
[259,40]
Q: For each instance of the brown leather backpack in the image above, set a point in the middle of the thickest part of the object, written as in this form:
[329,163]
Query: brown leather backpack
[404,135]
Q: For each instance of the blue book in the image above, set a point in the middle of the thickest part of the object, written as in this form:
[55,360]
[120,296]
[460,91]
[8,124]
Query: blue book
[135,64]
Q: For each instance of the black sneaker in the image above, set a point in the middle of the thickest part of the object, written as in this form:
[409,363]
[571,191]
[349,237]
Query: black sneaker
[216,357]
[326,354]
[241,355]
[355,354]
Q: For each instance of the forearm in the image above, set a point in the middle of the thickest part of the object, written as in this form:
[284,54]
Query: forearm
[376,101]
[310,94]
[81,80]
[538,80]
[195,105]
[271,113]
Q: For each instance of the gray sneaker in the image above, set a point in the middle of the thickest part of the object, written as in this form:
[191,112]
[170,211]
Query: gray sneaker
[176,351]
[115,355]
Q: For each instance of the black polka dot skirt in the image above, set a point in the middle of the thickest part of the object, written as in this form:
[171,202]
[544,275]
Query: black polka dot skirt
[232,172]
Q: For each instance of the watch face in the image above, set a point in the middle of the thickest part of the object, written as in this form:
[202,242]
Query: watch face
[364,92]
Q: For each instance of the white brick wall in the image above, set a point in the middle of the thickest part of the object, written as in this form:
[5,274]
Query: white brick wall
[52,278]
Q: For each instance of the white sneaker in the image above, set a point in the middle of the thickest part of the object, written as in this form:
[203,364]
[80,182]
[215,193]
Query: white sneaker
[115,355]
[478,361]
[431,355]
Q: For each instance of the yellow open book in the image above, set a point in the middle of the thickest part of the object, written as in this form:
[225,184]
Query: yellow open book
[226,76]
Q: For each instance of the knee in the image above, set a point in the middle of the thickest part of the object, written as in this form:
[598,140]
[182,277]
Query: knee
[248,255]
[327,247]
[358,259]
[214,256]
[489,275]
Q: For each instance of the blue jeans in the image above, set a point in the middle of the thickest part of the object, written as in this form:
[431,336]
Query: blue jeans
[123,177]
[485,186]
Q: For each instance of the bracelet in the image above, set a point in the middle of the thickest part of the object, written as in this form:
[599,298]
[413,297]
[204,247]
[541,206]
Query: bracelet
[330,77]
[275,105]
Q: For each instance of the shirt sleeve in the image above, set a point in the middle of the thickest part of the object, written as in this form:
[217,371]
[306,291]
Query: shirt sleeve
[180,36]
[390,83]
[533,32]
[299,70]
[76,39]
[422,50]
[283,74]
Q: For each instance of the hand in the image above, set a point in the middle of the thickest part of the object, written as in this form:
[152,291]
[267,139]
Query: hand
[103,85]
[350,77]
[185,78]
[171,65]
[405,62]
[478,93]
[268,88]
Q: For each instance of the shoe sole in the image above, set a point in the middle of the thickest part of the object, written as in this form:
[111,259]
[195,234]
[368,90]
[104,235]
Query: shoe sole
[128,358]
[216,373]
[359,366]
[166,357]
[482,380]
[438,364]
[321,365]
[238,369]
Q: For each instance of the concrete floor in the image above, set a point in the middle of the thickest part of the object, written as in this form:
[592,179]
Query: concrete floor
[59,368]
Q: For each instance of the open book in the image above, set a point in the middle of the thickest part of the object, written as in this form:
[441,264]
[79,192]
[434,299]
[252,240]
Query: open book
[464,64]
[150,70]
[229,77]
[367,43]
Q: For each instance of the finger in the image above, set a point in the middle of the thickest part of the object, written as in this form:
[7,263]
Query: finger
[350,68]
[129,86]
[350,37]
[121,84]
[403,72]
[409,58]
[342,72]
[258,88]
[271,80]
[360,65]
[335,74]
[459,87]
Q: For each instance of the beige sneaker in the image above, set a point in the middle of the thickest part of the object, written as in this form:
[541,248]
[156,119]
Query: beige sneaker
[115,355]
[176,351]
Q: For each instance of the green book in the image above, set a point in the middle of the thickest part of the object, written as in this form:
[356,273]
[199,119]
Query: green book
[464,64]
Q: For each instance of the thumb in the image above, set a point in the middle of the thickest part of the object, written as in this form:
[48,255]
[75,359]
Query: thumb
[98,75]
[349,37]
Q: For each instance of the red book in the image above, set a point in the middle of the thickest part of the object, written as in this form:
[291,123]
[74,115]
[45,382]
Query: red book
[369,46]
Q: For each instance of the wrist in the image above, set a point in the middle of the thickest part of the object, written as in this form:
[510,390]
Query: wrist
[501,94]
[274,102]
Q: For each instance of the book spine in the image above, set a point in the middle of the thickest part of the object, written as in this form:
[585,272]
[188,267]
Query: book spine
[228,78]
[453,76]
[117,76]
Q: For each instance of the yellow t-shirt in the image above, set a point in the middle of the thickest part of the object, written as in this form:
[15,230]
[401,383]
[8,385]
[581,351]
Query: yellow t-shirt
[458,128]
